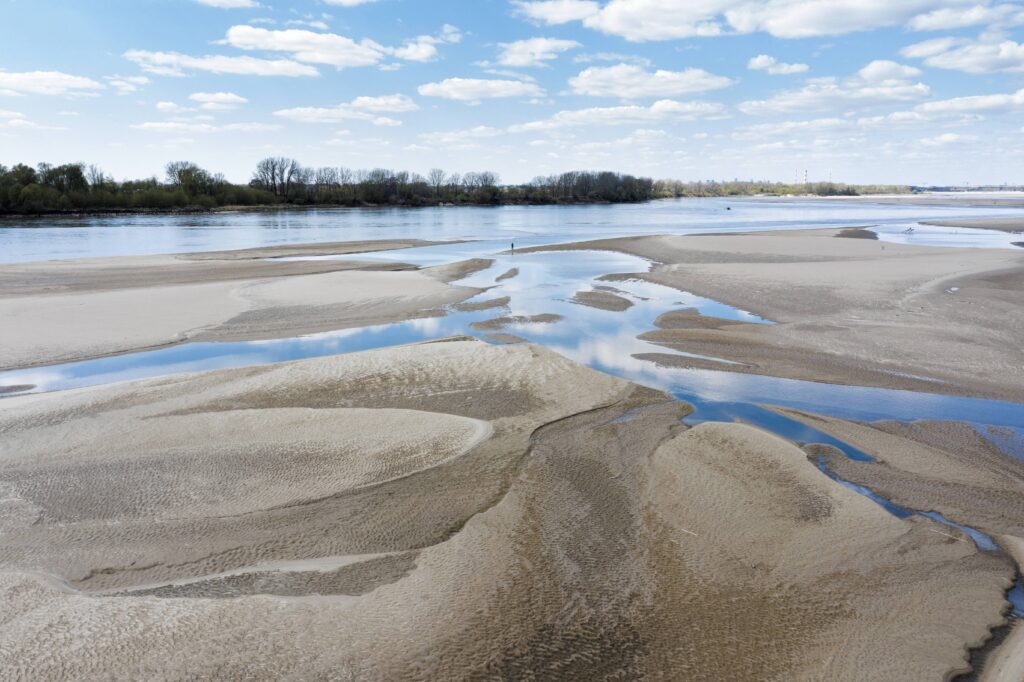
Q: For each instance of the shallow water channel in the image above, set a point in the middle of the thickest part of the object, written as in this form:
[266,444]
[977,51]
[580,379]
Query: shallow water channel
[603,340]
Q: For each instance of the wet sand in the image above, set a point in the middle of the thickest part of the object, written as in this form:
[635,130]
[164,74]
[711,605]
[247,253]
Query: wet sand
[451,510]
[850,311]
[1011,225]
[61,311]
[513,320]
[604,300]
[857,233]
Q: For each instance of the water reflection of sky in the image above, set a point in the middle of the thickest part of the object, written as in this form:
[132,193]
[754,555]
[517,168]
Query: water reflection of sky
[603,340]
[933,235]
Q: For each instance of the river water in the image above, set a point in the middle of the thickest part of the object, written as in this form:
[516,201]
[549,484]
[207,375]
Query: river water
[526,225]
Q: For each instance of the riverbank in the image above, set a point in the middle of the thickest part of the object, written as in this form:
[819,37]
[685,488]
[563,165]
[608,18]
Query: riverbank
[851,311]
[64,311]
[451,510]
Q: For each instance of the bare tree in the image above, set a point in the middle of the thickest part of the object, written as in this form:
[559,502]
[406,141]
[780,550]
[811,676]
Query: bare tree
[265,175]
[436,178]
[96,178]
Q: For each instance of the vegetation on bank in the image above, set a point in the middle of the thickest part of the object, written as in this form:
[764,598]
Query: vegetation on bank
[278,181]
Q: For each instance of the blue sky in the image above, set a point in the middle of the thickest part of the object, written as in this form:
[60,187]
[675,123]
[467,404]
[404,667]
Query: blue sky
[916,91]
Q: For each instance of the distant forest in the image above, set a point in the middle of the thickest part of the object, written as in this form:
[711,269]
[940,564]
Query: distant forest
[277,181]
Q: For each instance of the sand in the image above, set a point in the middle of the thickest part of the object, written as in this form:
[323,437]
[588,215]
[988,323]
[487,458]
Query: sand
[1011,225]
[451,511]
[499,302]
[61,311]
[604,300]
[515,320]
[948,467]
[857,233]
[851,311]
[508,274]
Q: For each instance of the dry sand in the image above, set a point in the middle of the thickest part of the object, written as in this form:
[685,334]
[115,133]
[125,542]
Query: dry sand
[852,311]
[60,311]
[451,511]
[949,467]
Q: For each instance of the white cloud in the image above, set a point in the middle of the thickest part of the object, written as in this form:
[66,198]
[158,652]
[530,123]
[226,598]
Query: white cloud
[459,139]
[307,46]
[15,120]
[879,82]
[987,54]
[946,138]
[975,104]
[882,70]
[533,51]
[171,108]
[764,62]
[960,17]
[189,127]
[310,47]
[176,64]
[385,103]
[662,110]
[476,89]
[218,101]
[643,20]
[359,109]
[312,23]
[126,84]
[813,126]
[558,11]
[348,3]
[229,4]
[46,83]
[810,18]
[632,82]
[928,48]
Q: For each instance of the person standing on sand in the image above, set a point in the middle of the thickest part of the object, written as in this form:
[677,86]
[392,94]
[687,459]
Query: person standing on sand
[513,247]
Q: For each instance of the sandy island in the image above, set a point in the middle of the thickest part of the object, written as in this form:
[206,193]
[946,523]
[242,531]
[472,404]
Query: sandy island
[850,311]
[61,311]
[450,510]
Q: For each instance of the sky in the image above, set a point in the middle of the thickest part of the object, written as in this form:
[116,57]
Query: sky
[861,91]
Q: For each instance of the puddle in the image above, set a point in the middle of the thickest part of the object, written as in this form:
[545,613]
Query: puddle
[918,234]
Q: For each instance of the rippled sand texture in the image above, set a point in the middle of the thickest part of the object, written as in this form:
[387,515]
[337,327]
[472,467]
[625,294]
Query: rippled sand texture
[451,510]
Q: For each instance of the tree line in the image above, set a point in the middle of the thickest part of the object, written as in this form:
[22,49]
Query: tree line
[77,187]
[712,188]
